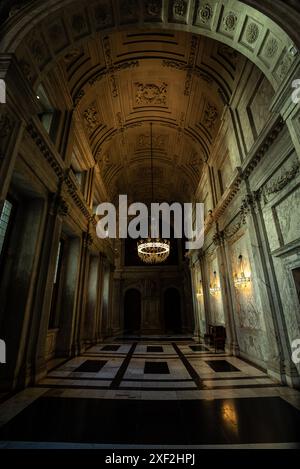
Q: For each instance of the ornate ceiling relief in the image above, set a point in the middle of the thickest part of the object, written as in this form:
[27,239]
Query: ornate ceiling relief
[205,13]
[159,141]
[252,33]
[153,9]
[191,65]
[210,116]
[230,21]
[110,66]
[91,118]
[151,94]
[179,8]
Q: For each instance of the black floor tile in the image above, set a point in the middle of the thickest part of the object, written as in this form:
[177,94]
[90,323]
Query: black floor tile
[160,368]
[199,348]
[91,366]
[110,348]
[196,422]
[221,366]
[155,348]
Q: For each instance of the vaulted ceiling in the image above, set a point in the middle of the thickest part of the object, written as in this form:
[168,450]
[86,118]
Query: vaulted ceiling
[178,81]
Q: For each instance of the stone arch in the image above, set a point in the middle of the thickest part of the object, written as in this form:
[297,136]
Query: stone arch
[41,34]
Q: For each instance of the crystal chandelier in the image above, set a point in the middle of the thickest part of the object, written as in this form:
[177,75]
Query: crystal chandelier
[153,250]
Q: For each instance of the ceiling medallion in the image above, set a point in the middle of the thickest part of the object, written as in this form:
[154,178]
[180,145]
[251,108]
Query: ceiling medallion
[153,250]
[206,13]
[252,33]
[230,21]
[179,7]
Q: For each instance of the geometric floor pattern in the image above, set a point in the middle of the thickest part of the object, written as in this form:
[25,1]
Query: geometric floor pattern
[147,393]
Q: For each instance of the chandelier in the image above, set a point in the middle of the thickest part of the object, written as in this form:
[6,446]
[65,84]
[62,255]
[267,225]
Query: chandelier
[153,250]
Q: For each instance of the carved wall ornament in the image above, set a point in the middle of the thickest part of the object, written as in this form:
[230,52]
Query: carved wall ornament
[179,8]
[153,7]
[159,141]
[230,21]
[151,94]
[252,33]
[205,13]
[284,66]
[60,206]
[281,182]
[218,238]
[210,116]
[271,48]
[91,118]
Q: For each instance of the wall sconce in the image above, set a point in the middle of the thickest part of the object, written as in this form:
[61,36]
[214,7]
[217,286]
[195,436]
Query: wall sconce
[199,293]
[241,280]
[214,288]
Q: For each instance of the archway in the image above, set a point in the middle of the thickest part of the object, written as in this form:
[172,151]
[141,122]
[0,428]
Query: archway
[132,311]
[172,311]
[258,32]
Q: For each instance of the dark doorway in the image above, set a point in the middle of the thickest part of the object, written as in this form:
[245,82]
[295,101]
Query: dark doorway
[172,311]
[132,311]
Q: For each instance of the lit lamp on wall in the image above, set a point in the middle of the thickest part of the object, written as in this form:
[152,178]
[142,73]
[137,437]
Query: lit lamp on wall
[241,280]
[214,287]
[200,291]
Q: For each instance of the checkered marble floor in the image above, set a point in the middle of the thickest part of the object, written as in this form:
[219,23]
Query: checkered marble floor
[162,375]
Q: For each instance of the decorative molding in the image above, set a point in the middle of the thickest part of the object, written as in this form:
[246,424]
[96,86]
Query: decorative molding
[62,174]
[281,182]
[197,14]
[252,33]
[264,147]
[218,238]
[153,8]
[249,202]
[179,8]
[271,48]
[210,116]
[59,206]
[151,94]
[87,239]
[230,21]
[159,141]
[45,151]
[205,13]
[91,118]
